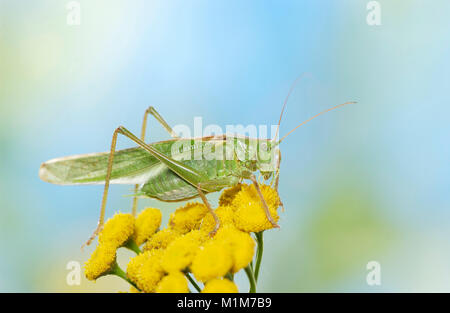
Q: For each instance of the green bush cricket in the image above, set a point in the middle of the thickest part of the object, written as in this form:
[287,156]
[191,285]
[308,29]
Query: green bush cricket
[166,171]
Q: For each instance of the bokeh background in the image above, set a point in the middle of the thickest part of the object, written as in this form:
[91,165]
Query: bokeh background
[367,182]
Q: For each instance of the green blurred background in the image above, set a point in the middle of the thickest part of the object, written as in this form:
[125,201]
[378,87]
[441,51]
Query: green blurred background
[369,182]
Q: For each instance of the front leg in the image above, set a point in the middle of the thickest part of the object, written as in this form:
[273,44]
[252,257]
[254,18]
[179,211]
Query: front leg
[266,208]
[277,177]
[216,219]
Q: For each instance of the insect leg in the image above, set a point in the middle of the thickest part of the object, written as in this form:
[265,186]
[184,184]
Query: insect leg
[277,177]
[216,219]
[101,219]
[266,208]
[150,110]
[186,172]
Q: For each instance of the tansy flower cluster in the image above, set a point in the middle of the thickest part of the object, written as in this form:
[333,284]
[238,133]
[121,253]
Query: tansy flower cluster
[187,250]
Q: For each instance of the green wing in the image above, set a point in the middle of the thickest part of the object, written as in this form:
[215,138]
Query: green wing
[137,166]
[130,166]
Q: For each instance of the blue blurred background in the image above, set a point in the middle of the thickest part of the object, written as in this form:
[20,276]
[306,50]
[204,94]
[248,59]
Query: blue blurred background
[366,182]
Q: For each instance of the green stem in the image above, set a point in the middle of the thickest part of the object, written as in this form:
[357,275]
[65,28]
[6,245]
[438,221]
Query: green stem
[229,276]
[131,245]
[193,282]
[259,253]
[251,279]
[116,270]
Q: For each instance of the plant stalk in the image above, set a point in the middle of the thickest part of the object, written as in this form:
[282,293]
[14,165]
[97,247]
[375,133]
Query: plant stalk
[193,282]
[131,245]
[259,253]
[116,270]
[251,279]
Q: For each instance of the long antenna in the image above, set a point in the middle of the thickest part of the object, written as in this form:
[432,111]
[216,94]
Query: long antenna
[286,100]
[311,118]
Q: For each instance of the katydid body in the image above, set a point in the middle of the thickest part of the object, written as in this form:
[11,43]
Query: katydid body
[154,178]
[172,170]
[165,172]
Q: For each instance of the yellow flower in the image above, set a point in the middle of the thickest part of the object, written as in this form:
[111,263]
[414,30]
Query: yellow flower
[147,223]
[117,230]
[249,215]
[212,261]
[227,196]
[161,239]
[101,262]
[135,264]
[151,271]
[188,218]
[173,283]
[225,215]
[220,286]
[180,252]
[241,245]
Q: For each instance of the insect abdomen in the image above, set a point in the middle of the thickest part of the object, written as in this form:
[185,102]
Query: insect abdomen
[165,185]
[168,186]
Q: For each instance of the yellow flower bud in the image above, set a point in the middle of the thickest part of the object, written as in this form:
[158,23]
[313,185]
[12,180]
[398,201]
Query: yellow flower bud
[147,223]
[101,262]
[212,261]
[188,218]
[117,230]
[241,245]
[135,264]
[151,271]
[161,239]
[175,282]
[220,286]
[180,253]
[225,215]
[249,215]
